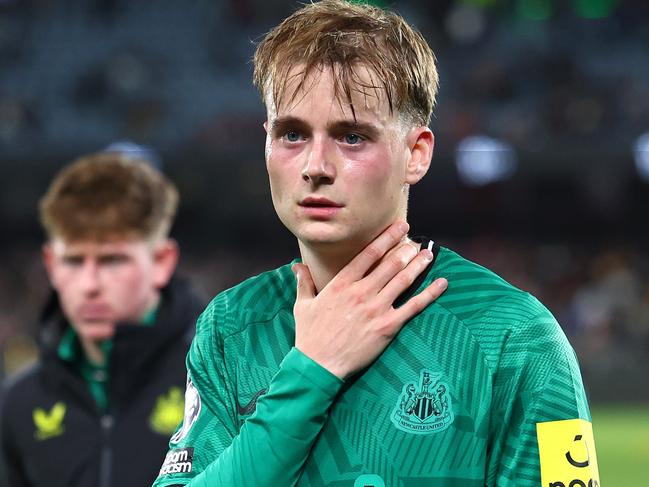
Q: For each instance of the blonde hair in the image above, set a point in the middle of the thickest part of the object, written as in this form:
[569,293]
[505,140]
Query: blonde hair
[106,195]
[346,37]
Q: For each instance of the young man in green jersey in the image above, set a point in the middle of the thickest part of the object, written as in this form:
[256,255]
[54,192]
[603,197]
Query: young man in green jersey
[353,367]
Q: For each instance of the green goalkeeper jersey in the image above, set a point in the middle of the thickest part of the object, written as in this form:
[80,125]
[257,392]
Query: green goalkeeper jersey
[480,388]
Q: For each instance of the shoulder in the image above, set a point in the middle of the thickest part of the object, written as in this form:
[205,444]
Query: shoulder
[23,379]
[20,388]
[475,290]
[493,310]
[256,299]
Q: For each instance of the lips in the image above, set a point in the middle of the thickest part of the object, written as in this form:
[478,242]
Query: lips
[319,208]
[315,202]
[94,312]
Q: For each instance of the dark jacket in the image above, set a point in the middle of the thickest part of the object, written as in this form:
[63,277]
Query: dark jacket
[52,432]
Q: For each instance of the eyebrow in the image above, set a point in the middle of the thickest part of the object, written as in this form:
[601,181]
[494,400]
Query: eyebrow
[284,124]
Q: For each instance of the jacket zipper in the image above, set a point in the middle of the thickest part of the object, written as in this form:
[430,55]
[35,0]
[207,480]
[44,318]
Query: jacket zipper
[106,455]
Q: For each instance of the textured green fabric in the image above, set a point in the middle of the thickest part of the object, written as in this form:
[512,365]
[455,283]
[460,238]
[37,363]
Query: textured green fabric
[486,360]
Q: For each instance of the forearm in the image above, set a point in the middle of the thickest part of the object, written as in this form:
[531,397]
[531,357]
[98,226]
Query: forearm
[274,443]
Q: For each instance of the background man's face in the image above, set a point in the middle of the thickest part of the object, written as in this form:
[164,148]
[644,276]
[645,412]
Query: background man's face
[102,283]
[335,179]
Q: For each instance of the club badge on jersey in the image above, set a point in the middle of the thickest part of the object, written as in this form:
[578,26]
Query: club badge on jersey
[426,409]
[567,454]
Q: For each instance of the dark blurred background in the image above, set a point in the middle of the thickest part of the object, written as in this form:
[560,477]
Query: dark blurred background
[541,169]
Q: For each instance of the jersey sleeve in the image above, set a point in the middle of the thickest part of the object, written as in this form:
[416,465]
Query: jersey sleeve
[271,446]
[538,384]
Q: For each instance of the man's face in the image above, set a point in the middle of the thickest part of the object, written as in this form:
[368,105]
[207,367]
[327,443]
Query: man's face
[101,284]
[335,178]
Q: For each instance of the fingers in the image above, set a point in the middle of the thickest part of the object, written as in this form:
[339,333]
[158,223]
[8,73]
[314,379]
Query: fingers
[371,254]
[305,285]
[395,261]
[397,282]
[417,303]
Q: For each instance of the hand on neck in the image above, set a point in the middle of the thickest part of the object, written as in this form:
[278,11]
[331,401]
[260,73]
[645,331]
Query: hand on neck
[325,261]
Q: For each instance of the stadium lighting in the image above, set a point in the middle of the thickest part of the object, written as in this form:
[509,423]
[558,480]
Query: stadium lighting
[483,160]
[641,153]
[465,23]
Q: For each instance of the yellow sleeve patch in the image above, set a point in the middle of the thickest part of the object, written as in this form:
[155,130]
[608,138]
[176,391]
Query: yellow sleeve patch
[567,451]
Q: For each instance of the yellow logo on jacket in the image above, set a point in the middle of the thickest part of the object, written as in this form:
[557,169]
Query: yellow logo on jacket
[49,423]
[567,451]
[168,412]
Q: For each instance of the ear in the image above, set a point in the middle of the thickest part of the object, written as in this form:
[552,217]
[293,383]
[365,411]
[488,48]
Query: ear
[421,143]
[47,254]
[266,126]
[165,260]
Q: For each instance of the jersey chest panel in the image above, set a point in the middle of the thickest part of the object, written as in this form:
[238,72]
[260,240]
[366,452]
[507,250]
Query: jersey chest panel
[417,415]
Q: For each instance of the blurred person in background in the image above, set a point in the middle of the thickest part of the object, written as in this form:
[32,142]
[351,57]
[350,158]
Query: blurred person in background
[98,407]
[356,365]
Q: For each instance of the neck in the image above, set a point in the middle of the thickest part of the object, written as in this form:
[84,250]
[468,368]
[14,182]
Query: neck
[325,262]
[93,352]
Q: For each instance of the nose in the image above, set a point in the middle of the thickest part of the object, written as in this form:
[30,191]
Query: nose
[90,281]
[319,167]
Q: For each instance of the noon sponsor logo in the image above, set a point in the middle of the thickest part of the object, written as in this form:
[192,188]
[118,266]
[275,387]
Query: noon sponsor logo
[178,461]
[567,454]
[576,483]
[581,464]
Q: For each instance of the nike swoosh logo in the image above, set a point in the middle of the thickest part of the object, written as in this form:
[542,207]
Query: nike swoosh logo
[251,406]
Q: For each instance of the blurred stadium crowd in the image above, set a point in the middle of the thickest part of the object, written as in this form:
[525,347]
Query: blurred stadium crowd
[537,73]
[560,85]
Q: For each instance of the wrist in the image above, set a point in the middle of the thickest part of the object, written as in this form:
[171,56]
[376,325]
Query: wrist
[330,366]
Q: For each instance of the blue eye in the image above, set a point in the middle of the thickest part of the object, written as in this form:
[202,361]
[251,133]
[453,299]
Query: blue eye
[292,136]
[353,139]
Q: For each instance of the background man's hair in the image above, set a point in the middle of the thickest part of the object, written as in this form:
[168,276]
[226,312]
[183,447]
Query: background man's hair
[107,195]
[344,37]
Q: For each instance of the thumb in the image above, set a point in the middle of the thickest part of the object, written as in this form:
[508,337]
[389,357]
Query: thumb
[305,285]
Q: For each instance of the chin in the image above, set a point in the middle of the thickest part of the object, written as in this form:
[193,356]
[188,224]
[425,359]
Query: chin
[336,242]
[320,235]
[97,332]
[343,235]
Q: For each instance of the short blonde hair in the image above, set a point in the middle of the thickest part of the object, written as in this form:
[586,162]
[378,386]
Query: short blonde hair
[344,37]
[107,195]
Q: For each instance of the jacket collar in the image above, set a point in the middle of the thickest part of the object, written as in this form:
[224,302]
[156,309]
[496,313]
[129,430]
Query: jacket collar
[134,346]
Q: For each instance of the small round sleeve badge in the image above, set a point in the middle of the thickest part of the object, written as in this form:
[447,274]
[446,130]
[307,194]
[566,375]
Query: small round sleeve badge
[192,410]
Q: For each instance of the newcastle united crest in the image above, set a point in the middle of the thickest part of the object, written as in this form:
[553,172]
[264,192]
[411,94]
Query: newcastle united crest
[424,408]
